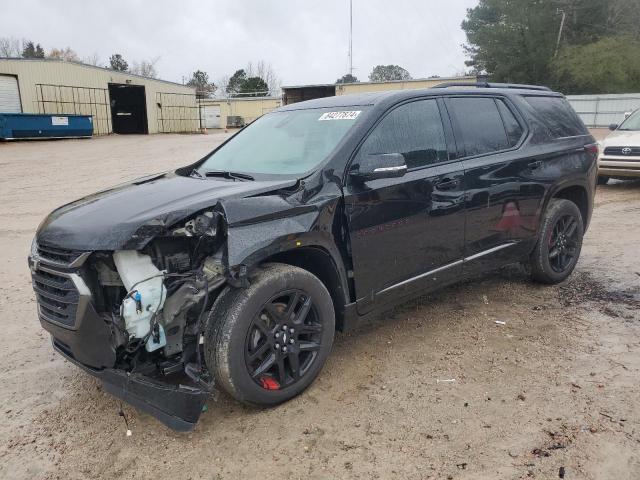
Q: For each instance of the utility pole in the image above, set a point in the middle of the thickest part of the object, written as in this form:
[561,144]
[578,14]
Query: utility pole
[351,37]
[564,15]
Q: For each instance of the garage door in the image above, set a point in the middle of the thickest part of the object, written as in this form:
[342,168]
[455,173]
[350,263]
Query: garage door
[9,95]
[210,116]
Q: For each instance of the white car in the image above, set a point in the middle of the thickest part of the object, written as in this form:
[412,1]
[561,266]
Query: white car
[620,151]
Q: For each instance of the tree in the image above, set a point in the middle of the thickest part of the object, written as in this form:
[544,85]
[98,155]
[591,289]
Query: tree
[254,87]
[266,72]
[234,84]
[118,63]
[387,73]
[200,80]
[30,50]
[92,60]
[515,40]
[146,68]
[257,80]
[10,47]
[593,68]
[512,40]
[348,78]
[64,54]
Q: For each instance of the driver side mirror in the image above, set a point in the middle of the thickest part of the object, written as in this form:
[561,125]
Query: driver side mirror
[613,126]
[380,165]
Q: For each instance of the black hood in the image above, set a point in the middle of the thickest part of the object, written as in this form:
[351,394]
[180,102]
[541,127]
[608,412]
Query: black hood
[129,215]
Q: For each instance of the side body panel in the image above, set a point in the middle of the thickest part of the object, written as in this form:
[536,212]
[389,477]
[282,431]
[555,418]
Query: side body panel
[503,199]
[507,191]
[403,228]
[407,233]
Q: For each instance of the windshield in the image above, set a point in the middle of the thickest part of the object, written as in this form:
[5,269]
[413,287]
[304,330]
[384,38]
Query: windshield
[281,143]
[631,123]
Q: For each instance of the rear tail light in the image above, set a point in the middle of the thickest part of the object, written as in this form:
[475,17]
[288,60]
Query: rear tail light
[592,148]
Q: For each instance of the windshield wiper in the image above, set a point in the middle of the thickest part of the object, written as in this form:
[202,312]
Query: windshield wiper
[229,175]
[195,173]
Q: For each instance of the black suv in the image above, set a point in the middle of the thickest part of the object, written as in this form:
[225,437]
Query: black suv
[236,271]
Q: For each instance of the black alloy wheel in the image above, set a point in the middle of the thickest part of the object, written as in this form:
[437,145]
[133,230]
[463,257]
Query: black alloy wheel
[559,242]
[283,340]
[266,343]
[563,243]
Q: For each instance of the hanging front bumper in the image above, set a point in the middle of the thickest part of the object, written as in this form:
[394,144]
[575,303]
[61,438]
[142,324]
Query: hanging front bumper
[177,406]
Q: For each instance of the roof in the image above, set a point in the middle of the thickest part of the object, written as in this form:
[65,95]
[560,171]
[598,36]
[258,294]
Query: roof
[239,99]
[354,99]
[372,98]
[85,65]
[412,80]
[314,85]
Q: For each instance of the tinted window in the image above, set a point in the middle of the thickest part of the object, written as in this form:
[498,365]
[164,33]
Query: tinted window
[481,125]
[285,142]
[414,130]
[558,116]
[513,128]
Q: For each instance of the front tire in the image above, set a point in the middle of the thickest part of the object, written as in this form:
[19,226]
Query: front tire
[603,179]
[267,343]
[560,242]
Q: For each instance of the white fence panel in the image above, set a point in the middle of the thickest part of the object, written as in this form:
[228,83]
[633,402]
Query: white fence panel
[603,110]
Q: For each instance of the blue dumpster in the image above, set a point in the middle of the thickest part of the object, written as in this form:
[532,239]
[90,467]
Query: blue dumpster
[35,125]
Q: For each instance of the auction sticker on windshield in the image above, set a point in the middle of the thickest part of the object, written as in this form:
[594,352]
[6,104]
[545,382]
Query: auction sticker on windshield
[340,115]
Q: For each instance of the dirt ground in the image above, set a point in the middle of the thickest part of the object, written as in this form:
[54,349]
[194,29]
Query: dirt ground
[435,389]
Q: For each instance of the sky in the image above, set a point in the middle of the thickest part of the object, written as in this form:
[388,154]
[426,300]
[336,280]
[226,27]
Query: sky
[305,41]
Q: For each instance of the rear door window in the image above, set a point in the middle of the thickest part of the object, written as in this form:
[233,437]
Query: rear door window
[511,125]
[558,116]
[483,130]
[413,129]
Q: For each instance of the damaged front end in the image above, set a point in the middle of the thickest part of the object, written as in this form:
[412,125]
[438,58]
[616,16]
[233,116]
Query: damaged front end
[134,318]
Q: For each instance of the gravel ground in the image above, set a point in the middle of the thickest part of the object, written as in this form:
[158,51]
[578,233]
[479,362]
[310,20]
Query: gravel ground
[435,389]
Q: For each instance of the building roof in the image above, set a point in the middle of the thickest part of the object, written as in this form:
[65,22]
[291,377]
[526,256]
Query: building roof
[239,99]
[315,85]
[412,80]
[85,65]
[354,99]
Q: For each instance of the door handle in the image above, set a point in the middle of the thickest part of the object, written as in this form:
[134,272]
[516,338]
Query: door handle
[535,165]
[447,184]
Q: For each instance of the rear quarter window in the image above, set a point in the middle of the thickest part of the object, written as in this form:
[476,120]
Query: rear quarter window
[557,116]
[481,125]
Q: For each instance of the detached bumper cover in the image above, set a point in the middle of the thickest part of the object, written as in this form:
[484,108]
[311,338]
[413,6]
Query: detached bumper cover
[177,406]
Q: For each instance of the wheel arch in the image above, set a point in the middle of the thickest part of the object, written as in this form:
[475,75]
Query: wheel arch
[579,195]
[320,263]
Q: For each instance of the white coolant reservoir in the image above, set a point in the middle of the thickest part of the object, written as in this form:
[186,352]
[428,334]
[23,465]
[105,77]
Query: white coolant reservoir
[145,284]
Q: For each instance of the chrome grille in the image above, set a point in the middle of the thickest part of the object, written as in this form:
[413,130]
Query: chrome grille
[60,257]
[61,293]
[634,151]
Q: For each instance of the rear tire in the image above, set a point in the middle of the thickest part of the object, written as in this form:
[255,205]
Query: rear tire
[267,343]
[560,242]
[603,179]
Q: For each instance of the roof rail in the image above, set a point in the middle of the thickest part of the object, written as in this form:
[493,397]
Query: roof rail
[493,85]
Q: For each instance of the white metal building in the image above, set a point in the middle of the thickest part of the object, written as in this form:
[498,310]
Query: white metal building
[119,102]
[221,113]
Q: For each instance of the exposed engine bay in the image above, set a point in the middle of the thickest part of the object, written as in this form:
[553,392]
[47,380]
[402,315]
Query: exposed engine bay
[155,300]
